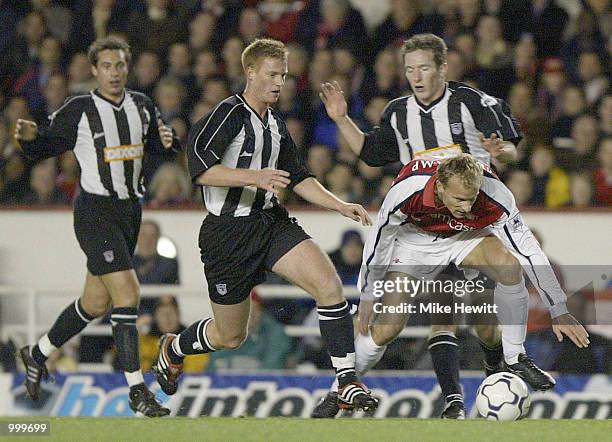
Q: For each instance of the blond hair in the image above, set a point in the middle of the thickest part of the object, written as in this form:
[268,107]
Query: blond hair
[463,166]
[262,48]
[427,42]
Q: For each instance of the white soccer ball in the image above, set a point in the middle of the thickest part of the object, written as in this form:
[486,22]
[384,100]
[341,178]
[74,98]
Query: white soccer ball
[503,397]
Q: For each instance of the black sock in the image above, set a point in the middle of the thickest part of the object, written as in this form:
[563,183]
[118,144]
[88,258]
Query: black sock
[68,324]
[445,356]
[191,341]
[123,320]
[336,327]
[493,355]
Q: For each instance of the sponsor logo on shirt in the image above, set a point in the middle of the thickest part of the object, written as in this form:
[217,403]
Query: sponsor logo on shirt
[126,152]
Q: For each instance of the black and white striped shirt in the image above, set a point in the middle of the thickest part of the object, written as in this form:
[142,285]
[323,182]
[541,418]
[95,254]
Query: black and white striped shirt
[409,128]
[234,135]
[109,141]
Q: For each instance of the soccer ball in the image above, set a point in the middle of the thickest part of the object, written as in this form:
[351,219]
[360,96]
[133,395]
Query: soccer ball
[503,397]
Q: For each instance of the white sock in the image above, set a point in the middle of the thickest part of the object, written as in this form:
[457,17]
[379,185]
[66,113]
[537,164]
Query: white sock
[45,346]
[134,378]
[367,353]
[512,311]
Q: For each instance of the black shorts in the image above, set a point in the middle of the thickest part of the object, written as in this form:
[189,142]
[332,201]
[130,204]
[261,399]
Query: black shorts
[107,231]
[236,252]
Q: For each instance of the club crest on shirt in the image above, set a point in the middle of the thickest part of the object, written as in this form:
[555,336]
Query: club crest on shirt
[109,256]
[456,128]
[222,289]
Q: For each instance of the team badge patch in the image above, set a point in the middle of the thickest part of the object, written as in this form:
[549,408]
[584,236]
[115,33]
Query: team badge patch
[109,256]
[517,223]
[222,289]
[456,128]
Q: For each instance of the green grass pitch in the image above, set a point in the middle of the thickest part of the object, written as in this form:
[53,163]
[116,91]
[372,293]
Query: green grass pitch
[290,429]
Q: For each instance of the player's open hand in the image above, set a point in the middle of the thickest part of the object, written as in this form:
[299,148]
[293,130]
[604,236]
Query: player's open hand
[333,98]
[272,179]
[25,130]
[493,145]
[568,325]
[356,212]
[165,134]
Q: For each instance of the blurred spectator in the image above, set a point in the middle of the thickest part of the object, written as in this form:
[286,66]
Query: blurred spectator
[374,110]
[43,190]
[383,80]
[468,14]
[265,348]
[156,28]
[521,101]
[80,79]
[605,115]
[216,90]
[594,80]
[232,64]
[553,83]
[169,95]
[32,83]
[573,104]
[95,19]
[202,33]
[455,70]
[327,23]
[581,190]
[179,64]
[381,191]
[465,44]
[281,17]
[57,17]
[165,319]
[170,186]
[551,187]
[22,54]
[15,180]
[525,61]
[298,62]
[55,93]
[547,22]
[8,24]
[339,181]
[346,65]
[492,51]
[520,184]
[603,174]
[205,67]
[147,73]
[347,258]
[68,178]
[582,155]
[250,25]
[404,20]
[320,161]
[150,266]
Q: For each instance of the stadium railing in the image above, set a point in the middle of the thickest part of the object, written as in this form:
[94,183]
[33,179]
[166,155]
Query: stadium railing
[32,327]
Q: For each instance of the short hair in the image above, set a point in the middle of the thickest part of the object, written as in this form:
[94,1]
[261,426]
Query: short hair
[262,48]
[427,42]
[463,166]
[102,44]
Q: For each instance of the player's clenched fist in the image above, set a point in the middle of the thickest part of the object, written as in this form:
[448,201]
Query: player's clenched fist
[272,179]
[165,134]
[25,130]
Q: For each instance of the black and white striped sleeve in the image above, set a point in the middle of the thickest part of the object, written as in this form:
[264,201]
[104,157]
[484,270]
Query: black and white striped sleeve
[61,134]
[491,115]
[380,145]
[210,137]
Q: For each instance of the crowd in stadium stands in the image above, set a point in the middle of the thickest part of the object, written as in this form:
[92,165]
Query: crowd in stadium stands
[548,58]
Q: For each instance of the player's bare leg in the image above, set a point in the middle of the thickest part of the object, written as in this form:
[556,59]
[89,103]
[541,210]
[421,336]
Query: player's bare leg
[308,267]
[94,302]
[511,298]
[124,291]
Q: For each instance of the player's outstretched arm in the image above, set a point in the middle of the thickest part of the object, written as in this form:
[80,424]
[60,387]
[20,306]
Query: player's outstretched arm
[335,104]
[312,191]
[221,176]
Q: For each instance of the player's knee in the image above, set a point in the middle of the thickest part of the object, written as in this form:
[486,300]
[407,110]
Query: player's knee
[96,309]
[329,290]
[509,270]
[382,334]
